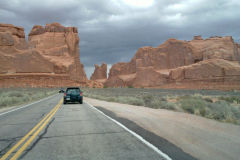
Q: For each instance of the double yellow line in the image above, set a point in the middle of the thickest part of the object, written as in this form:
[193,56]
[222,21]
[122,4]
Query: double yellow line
[31,135]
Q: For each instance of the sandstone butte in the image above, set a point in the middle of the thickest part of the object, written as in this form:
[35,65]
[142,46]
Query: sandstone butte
[212,63]
[100,73]
[50,58]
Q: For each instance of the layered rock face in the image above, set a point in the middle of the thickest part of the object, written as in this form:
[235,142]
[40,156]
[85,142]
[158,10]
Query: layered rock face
[100,73]
[49,58]
[212,63]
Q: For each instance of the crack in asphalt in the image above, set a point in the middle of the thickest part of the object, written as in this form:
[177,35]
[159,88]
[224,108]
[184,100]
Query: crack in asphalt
[42,115]
[11,141]
[82,134]
[4,150]
[37,140]
[10,124]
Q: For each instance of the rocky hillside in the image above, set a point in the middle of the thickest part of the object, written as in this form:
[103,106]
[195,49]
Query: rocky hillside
[49,58]
[211,63]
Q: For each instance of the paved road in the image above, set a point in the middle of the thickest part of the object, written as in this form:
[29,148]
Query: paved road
[74,132]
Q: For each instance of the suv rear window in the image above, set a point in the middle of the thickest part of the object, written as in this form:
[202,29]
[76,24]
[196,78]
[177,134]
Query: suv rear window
[73,91]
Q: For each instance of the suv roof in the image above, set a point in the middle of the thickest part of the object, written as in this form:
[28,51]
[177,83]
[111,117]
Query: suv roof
[73,88]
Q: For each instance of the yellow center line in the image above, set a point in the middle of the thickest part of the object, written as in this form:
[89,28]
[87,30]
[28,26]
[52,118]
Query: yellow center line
[6,155]
[19,152]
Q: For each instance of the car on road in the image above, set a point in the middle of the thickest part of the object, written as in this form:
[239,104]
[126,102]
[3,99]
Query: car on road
[61,90]
[73,94]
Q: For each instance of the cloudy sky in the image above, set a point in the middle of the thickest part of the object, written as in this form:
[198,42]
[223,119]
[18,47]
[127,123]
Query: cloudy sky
[112,30]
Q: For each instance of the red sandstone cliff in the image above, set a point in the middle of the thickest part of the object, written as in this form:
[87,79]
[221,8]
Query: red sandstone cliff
[100,73]
[212,63]
[50,58]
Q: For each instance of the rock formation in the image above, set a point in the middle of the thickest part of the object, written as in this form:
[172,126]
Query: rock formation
[100,73]
[94,84]
[212,63]
[49,58]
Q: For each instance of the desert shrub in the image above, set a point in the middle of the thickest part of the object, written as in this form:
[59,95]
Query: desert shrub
[130,100]
[9,101]
[184,97]
[17,96]
[236,111]
[153,103]
[148,99]
[208,99]
[135,101]
[157,102]
[168,105]
[163,105]
[188,109]
[223,111]
[98,97]
[163,99]
[26,99]
[230,99]
[5,101]
[202,111]
[193,104]
[111,99]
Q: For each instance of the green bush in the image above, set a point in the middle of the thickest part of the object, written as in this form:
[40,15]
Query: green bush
[5,101]
[157,102]
[135,101]
[236,111]
[130,100]
[230,99]
[165,105]
[148,99]
[193,104]
[219,110]
[111,99]
[17,96]
[223,111]
[202,111]
[208,100]
[188,109]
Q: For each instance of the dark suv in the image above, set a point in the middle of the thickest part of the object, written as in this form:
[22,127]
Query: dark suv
[73,94]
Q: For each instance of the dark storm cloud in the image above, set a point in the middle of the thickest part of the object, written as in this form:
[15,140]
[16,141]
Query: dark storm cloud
[111,31]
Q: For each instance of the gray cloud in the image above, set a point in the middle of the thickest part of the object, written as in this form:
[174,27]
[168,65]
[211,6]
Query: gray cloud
[112,31]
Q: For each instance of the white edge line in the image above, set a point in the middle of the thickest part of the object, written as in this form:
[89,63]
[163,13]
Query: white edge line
[134,134]
[27,105]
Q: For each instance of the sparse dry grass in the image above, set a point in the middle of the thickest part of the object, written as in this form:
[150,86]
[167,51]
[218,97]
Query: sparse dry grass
[218,105]
[17,96]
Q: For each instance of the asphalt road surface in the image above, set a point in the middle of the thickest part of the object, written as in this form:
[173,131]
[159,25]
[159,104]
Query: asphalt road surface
[49,130]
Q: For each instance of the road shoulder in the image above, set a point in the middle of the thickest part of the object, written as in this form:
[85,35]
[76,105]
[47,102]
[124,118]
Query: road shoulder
[202,138]
[165,146]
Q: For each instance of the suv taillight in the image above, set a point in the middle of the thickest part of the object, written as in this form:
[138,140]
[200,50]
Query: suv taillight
[81,94]
[65,94]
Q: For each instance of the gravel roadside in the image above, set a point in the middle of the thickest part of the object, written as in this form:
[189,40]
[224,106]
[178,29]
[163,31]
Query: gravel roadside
[200,137]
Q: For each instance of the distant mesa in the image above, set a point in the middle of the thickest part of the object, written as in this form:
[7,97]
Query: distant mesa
[211,63]
[50,58]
